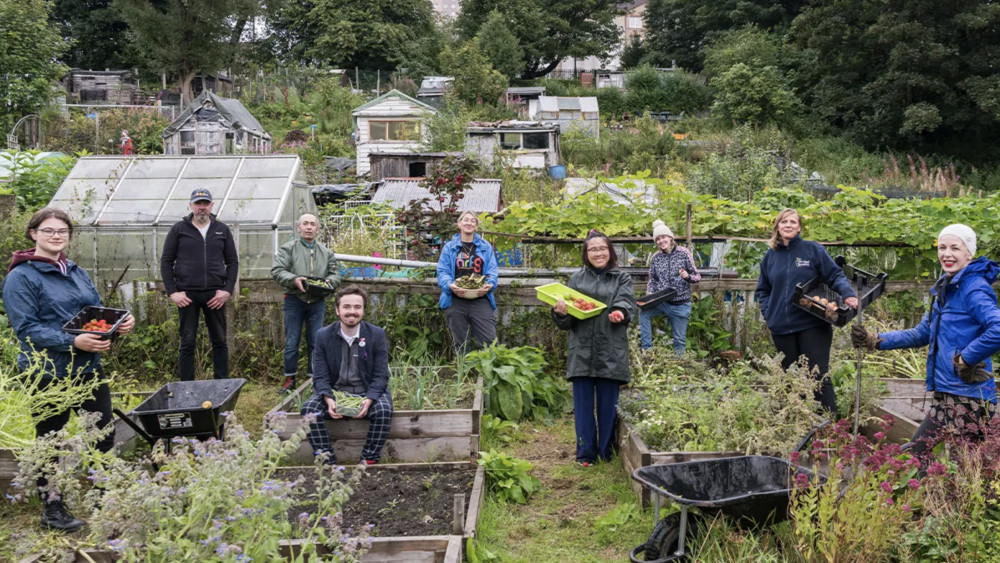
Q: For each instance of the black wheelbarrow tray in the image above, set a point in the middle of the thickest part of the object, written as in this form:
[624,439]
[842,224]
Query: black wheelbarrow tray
[185,408]
[753,489]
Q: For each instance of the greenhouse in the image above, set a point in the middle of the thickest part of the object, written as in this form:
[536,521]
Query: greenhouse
[123,208]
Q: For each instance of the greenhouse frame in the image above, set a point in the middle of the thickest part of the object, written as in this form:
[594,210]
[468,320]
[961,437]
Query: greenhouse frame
[123,206]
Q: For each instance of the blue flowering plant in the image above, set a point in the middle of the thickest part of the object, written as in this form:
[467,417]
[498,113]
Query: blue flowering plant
[205,500]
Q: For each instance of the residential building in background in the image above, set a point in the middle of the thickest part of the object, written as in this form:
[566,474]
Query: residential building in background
[447,8]
[629,22]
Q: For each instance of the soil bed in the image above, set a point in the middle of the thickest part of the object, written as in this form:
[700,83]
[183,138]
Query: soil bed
[415,502]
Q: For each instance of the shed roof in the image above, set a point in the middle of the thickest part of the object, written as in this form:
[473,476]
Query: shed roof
[232,110]
[154,190]
[513,126]
[435,85]
[556,103]
[526,91]
[482,195]
[360,110]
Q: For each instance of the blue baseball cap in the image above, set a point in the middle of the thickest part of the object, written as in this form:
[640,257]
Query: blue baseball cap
[201,195]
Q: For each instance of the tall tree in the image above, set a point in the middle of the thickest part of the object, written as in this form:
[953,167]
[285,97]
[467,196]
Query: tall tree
[676,30]
[549,30]
[904,73]
[184,36]
[476,81]
[95,34]
[29,47]
[500,45]
[371,34]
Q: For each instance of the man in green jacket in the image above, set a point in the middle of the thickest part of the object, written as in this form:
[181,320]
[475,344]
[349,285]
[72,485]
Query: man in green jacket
[296,260]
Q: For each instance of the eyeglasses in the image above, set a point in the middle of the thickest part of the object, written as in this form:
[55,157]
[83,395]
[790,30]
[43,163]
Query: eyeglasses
[597,250]
[49,233]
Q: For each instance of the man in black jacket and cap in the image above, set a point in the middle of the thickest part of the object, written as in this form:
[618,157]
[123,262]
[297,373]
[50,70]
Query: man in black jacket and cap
[199,268]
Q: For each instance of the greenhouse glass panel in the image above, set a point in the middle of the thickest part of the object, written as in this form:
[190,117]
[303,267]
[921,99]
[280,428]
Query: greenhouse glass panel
[256,250]
[250,211]
[268,167]
[212,168]
[270,188]
[130,211]
[144,168]
[134,188]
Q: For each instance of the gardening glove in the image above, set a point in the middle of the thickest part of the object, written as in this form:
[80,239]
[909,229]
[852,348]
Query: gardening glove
[971,374]
[864,338]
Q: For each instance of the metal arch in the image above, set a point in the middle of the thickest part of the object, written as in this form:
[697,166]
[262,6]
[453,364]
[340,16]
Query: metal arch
[13,133]
[170,195]
[114,190]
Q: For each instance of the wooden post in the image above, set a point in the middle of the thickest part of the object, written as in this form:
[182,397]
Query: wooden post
[687,227]
[458,515]
[378,82]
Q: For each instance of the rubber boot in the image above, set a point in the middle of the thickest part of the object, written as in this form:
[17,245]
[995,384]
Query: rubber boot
[55,516]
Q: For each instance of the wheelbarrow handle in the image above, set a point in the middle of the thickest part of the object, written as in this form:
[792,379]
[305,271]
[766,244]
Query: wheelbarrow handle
[128,420]
[812,434]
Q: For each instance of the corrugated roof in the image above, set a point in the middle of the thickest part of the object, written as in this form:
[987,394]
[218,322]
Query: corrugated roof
[526,90]
[483,195]
[387,95]
[232,110]
[556,103]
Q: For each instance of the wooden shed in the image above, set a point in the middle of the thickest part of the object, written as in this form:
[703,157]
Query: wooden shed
[392,122]
[576,113]
[529,144]
[213,125]
[111,86]
[405,164]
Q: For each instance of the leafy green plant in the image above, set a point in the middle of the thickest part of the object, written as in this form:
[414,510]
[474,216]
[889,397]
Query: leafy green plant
[515,383]
[217,501]
[705,332]
[507,477]
[609,525]
[34,178]
[496,431]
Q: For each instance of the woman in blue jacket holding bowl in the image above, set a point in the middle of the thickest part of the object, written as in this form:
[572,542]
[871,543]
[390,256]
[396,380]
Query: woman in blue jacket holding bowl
[962,330]
[43,290]
[470,312]
[790,261]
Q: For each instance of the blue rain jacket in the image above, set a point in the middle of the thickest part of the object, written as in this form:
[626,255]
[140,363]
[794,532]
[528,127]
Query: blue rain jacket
[446,268]
[968,324]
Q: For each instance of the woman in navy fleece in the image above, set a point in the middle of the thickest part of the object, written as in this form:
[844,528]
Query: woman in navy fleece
[791,261]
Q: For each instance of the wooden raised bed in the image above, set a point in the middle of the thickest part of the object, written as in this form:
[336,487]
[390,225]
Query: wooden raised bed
[395,549]
[907,401]
[634,454]
[415,436]
[418,549]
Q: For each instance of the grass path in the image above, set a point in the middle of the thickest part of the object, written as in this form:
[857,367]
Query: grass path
[581,515]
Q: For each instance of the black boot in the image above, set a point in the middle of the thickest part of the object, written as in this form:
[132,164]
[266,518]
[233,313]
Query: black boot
[56,517]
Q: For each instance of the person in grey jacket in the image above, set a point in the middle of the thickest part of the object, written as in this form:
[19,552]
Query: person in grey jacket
[598,362]
[295,262]
[672,267]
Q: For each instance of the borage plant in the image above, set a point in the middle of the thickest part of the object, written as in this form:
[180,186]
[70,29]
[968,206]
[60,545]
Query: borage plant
[206,501]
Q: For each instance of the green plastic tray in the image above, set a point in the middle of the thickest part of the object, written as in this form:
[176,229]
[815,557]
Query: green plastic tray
[553,292]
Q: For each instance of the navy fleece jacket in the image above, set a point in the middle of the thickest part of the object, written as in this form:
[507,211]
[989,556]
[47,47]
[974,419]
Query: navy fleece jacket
[781,270]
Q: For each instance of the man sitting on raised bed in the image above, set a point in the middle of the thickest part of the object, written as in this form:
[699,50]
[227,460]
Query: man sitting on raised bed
[350,378]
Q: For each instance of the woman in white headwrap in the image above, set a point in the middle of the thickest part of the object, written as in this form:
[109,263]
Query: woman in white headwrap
[962,330]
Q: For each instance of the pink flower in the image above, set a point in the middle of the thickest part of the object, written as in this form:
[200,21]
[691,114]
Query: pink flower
[937,468]
[906,507]
[801,480]
[885,486]
[913,483]
[879,435]
[889,501]
[795,457]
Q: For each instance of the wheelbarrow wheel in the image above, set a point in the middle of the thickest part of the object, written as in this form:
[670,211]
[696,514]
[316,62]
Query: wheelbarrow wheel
[662,543]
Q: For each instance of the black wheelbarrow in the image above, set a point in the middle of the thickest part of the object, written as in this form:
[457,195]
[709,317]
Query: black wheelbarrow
[185,408]
[753,489]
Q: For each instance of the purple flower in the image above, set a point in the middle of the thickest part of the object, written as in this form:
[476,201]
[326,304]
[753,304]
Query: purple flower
[937,468]
[879,435]
[801,480]
[885,486]
[889,501]
[913,483]
[795,457]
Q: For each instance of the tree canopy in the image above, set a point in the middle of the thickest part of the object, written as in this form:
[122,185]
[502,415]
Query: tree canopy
[29,48]
[186,37]
[549,30]
[95,34]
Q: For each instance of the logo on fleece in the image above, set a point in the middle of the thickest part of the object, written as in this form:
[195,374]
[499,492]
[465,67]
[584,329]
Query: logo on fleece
[800,263]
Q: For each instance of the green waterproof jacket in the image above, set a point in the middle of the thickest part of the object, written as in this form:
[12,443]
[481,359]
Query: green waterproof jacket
[598,347]
[295,259]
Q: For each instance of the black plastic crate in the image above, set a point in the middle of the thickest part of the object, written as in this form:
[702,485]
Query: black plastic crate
[181,408]
[113,316]
[816,298]
[653,299]
[318,291]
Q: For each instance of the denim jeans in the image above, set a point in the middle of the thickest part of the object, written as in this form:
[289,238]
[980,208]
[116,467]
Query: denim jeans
[298,313]
[677,314]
